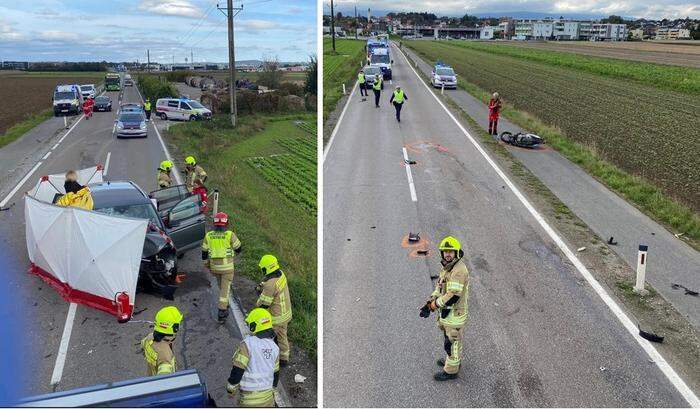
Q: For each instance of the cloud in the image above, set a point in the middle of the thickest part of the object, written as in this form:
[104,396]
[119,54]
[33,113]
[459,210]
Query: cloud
[56,35]
[295,10]
[179,8]
[8,33]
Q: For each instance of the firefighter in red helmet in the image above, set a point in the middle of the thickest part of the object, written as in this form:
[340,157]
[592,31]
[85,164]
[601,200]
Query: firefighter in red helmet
[217,252]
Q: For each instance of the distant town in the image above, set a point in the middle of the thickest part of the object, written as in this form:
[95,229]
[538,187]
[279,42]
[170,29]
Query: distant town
[429,25]
[243,66]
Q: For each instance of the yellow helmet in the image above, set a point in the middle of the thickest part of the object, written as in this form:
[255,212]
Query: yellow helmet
[451,243]
[168,320]
[268,264]
[166,165]
[190,161]
[259,319]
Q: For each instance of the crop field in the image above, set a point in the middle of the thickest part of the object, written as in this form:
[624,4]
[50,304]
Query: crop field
[339,67]
[294,174]
[31,93]
[646,51]
[646,130]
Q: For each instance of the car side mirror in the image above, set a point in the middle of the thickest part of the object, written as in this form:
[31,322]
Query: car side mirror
[392,61]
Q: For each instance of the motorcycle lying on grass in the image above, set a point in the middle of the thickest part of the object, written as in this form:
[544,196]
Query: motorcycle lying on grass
[522,140]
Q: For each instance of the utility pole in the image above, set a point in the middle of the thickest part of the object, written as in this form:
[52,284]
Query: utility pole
[231,58]
[148,58]
[192,58]
[332,26]
[356,26]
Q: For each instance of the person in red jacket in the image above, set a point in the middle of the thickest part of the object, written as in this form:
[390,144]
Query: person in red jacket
[494,112]
[87,107]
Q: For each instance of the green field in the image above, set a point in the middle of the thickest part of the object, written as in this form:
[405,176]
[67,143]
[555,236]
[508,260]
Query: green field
[339,67]
[647,131]
[672,78]
[270,214]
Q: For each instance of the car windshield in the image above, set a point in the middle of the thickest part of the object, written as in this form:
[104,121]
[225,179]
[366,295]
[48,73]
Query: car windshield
[445,71]
[372,71]
[137,211]
[86,88]
[102,99]
[131,118]
[195,104]
[64,95]
[381,59]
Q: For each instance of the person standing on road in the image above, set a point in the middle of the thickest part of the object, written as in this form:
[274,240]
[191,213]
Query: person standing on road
[362,81]
[192,172]
[164,179]
[377,88]
[256,364]
[147,108]
[449,299]
[87,108]
[398,98]
[158,346]
[274,295]
[217,252]
[495,105]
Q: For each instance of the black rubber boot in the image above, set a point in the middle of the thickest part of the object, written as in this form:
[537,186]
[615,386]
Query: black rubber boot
[284,363]
[440,362]
[444,376]
[223,314]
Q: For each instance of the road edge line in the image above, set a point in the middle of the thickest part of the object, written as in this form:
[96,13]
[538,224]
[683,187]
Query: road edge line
[626,322]
[19,185]
[337,124]
[63,348]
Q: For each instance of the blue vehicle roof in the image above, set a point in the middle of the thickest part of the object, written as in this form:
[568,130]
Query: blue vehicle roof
[441,64]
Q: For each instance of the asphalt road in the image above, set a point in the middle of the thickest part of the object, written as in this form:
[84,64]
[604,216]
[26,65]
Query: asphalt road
[538,333]
[99,349]
[670,259]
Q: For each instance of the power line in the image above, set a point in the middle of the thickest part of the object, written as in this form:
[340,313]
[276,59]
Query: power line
[186,37]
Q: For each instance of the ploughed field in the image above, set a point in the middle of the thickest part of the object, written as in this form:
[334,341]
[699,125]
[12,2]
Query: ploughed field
[648,130]
[682,54]
[32,92]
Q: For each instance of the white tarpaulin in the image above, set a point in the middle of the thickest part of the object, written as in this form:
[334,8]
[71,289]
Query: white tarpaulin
[87,256]
[48,186]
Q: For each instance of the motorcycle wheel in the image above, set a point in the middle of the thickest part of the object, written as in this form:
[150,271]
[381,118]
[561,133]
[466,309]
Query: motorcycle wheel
[506,137]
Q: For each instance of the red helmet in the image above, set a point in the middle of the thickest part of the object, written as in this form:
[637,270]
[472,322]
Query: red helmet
[221,219]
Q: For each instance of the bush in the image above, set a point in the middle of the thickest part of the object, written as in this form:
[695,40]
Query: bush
[155,87]
[290,88]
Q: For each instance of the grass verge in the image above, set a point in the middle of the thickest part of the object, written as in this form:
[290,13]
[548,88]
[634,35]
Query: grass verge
[266,220]
[19,129]
[636,190]
[681,79]
[339,67]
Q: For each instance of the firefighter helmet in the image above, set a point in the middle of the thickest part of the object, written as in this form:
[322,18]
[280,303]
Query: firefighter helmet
[221,219]
[259,319]
[168,320]
[190,161]
[166,165]
[451,243]
[268,264]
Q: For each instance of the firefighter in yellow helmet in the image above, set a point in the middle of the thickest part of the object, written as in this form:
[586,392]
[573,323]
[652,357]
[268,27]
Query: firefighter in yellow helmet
[158,346]
[274,295]
[450,301]
[164,179]
[256,365]
[217,252]
[193,172]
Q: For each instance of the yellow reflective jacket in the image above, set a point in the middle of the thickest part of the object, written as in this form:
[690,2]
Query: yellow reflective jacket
[82,198]
[453,281]
[220,245]
[159,356]
[275,297]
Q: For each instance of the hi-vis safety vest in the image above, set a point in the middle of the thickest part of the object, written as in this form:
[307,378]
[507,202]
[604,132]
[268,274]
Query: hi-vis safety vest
[147,106]
[218,245]
[275,297]
[398,96]
[377,84]
[454,281]
[361,77]
[263,354]
[156,362]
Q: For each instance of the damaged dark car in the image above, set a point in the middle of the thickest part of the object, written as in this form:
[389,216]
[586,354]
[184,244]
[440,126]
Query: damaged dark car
[176,225]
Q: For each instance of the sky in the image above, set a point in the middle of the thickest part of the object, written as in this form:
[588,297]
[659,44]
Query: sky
[652,9]
[122,30]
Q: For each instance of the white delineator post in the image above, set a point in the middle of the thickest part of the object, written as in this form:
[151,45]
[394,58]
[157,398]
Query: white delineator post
[343,88]
[215,207]
[442,91]
[65,122]
[641,269]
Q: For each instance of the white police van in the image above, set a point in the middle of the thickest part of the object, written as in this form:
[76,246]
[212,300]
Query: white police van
[181,108]
[67,99]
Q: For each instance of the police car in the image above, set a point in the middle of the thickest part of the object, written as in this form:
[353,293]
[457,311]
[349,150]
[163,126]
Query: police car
[181,108]
[443,75]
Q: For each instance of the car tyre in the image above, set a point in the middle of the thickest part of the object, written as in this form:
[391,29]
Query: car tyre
[193,118]
[164,116]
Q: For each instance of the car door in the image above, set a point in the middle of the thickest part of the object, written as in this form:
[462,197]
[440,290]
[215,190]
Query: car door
[185,223]
[173,110]
[167,198]
[185,110]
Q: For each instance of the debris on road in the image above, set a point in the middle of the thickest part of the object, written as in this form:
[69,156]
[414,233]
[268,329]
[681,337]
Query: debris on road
[358,299]
[409,162]
[603,369]
[649,336]
[678,235]
[688,291]
[413,237]
[140,311]
[298,378]
[580,249]
[612,241]
[422,252]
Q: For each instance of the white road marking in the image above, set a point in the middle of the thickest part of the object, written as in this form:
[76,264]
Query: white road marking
[175,172]
[55,146]
[19,185]
[409,175]
[627,323]
[63,348]
[104,171]
[47,155]
[337,125]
